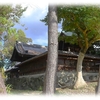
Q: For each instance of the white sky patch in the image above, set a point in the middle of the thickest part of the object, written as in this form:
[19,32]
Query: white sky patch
[29,10]
[32,7]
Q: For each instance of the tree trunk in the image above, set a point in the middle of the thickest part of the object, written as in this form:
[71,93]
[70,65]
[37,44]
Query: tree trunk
[80,81]
[2,85]
[52,59]
[98,84]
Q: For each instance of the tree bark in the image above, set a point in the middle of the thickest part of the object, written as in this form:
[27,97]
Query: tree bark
[52,59]
[2,85]
[80,82]
[98,84]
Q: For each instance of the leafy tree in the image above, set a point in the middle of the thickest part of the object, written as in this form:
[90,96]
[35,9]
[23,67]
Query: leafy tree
[22,37]
[9,15]
[15,35]
[84,22]
[50,77]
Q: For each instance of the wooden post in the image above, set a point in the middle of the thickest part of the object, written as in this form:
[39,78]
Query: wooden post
[98,84]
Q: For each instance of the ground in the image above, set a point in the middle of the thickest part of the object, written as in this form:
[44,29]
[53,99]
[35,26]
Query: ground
[88,90]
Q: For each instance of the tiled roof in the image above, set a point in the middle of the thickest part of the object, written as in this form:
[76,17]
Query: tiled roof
[61,54]
[30,49]
[24,51]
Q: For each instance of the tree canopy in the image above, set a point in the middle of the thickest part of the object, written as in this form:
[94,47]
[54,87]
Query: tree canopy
[83,21]
[18,35]
[9,15]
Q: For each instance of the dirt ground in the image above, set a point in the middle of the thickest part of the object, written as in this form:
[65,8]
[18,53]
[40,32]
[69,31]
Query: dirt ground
[88,90]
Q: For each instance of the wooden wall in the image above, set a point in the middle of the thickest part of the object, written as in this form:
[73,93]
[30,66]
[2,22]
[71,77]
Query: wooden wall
[64,63]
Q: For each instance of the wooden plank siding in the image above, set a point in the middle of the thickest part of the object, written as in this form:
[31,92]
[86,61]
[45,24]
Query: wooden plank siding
[65,62]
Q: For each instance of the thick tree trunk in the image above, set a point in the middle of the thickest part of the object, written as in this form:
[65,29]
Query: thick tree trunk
[98,84]
[80,81]
[2,85]
[52,59]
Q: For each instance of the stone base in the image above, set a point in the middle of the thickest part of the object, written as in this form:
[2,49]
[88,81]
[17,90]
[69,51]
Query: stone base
[35,82]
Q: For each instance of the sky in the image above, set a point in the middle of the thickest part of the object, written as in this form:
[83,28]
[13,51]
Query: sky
[37,30]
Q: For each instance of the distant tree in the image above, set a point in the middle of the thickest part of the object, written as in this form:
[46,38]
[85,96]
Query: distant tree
[50,76]
[17,35]
[9,15]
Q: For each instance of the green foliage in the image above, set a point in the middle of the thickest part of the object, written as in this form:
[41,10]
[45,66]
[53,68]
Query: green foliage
[22,37]
[83,21]
[8,88]
[2,73]
[9,15]
[40,88]
[45,20]
[71,38]
[1,62]
[13,36]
